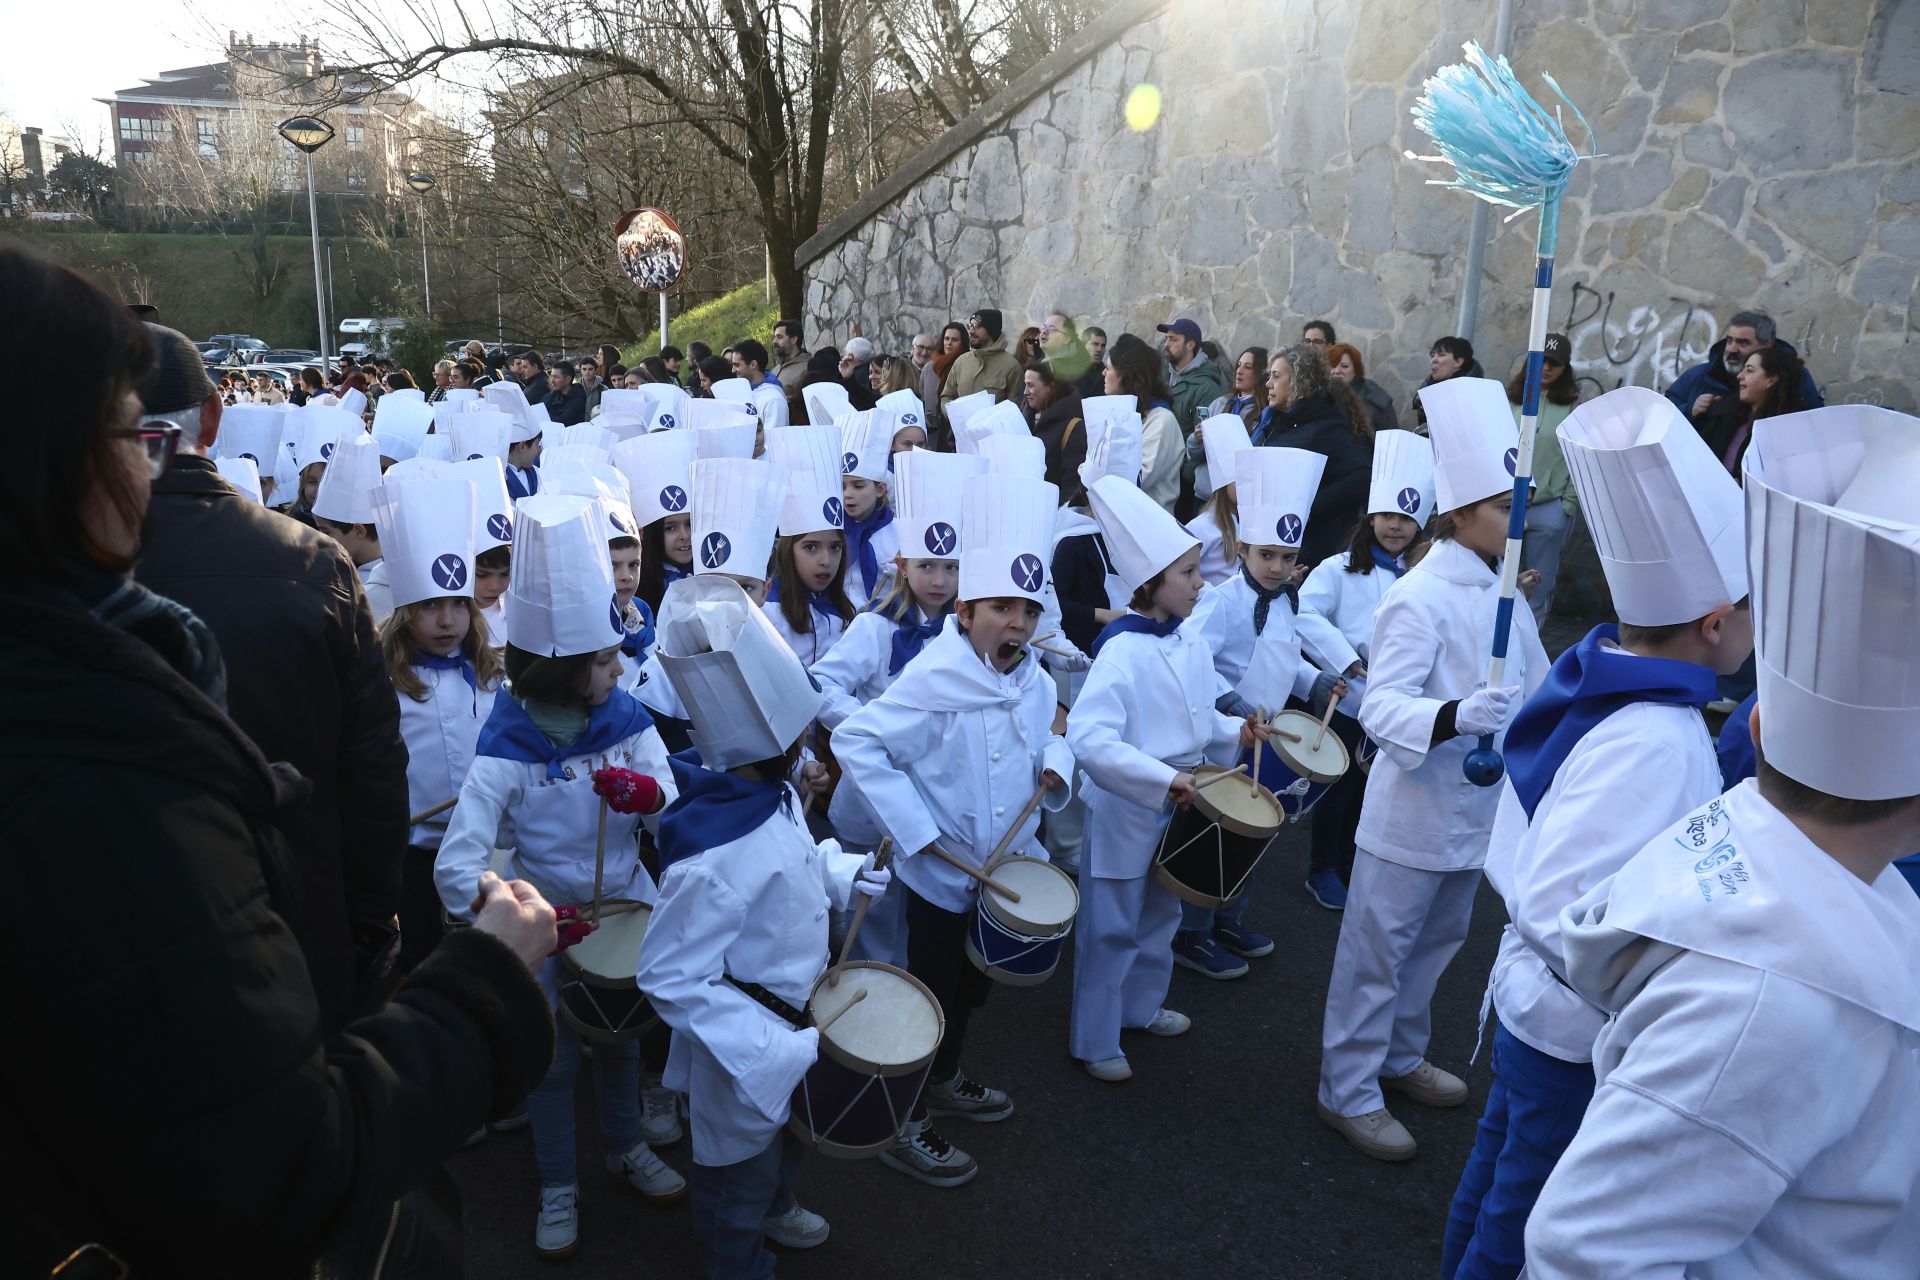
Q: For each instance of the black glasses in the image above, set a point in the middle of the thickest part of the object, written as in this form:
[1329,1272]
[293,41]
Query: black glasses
[160,440]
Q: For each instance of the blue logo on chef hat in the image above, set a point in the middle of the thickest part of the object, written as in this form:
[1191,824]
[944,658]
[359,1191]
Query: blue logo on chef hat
[909,419]
[673,498]
[475,457]
[500,527]
[620,522]
[1513,461]
[449,572]
[665,421]
[835,514]
[250,458]
[1287,528]
[752,411]
[326,450]
[1409,500]
[941,539]
[714,550]
[1027,572]
[848,461]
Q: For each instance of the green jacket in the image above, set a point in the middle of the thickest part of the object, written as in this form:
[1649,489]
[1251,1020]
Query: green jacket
[1201,383]
[1551,479]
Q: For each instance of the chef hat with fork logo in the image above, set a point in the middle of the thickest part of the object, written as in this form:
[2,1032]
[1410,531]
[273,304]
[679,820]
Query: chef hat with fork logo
[736,508]
[426,535]
[656,470]
[1275,489]
[560,598]
[1402,479]
[927,503]
[809,458]
[1006,537]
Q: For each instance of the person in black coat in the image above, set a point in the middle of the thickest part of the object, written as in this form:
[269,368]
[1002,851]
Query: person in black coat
[168,1084]
[1307,409]
[1053,412]
[566,400]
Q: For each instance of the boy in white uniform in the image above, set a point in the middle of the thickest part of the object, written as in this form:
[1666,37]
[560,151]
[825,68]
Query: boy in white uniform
[343,510]
[1759,1076]
[1610,751]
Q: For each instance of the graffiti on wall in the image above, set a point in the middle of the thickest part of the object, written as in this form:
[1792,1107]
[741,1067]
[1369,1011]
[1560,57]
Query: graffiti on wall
[1617,344]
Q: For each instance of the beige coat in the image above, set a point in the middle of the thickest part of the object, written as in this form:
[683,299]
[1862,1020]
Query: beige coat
[989,368]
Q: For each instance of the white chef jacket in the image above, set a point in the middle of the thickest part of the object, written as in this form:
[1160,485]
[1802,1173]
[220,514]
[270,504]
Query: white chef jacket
[1759,1080]
[496,616]
[811,646]
[439,734]
[853,673]
[951,753]
[373,579]
[1632,776]
[1224,616]
[1215,567]
[1431,640]
[1336,620]
[886,546]
[755,908]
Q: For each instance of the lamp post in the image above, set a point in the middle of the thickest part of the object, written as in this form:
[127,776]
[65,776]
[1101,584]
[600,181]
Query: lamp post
[309,134]
[421,184]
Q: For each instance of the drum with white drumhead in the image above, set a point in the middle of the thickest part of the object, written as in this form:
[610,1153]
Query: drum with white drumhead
[1020,942]
[874,1058]
[599,996]
[1211,847]
[1300,772]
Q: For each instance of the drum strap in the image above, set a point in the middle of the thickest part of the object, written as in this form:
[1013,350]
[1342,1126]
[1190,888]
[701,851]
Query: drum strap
[770,1002]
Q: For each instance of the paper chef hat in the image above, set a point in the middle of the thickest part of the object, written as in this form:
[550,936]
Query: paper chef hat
[354,401]
[528,420]
[492,503]
[315,430]
[415,394]
[726,440]
[459,395]
[745,691]
[589,435]
[596,480]
[436,448]
[591,454]
[251,431]
[242,473]
[413,469]
[1666,518]
[826,402]
[346,487]
[1002,419]
[1275,492]
[905,409]
[560,598]
[656,470]
[1116,444]
[1402,482]
[1223,436]
[809,458]
[481,435]
[400,425]
[926,501]
[700,415]
[736,391]
[1141,536]
[1834,553]
[1006,537]
[736,507]
[426,535]
[1475,452]
[445,412]
[631,402]
[1015,456]
[962,410]
[866,443]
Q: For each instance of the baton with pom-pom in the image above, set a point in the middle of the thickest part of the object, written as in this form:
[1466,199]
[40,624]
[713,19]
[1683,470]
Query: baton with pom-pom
[1507,149]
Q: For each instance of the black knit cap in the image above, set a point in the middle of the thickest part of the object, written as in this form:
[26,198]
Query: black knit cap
[178,378]
[989,319]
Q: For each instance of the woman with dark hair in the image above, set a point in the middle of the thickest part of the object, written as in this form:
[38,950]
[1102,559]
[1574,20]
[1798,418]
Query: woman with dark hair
[1053,412]
[711,370]
[656,370]
[1345,363]
[1136,369]
[1246,401]
[1448,358]
[609,356]
[1308,409]
[1554,504]
[399,380]
[235,1115]
[1768,385]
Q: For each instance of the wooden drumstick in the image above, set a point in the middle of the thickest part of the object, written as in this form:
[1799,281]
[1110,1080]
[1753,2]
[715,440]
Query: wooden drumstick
[1042,645]
[599,865]
[1325,720]
[434,812]
[834,1017]
[1020,820]
[985,880]
[859,913]
[1259,746]
[1222,776]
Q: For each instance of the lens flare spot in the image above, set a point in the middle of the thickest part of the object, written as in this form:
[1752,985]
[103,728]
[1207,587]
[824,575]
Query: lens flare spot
[1143,107]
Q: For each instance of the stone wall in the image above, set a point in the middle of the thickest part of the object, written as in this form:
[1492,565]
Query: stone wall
[1756,152]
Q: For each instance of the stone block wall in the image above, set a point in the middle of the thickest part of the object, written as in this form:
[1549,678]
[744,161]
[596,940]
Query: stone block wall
[1755,152]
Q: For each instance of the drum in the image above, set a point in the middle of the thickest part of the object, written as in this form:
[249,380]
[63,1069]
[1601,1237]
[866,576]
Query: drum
[1210,848]
[598,995]
[874,1059]
[1296,773]
[1019,943]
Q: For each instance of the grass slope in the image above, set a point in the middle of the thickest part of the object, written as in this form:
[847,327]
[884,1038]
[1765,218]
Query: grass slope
[731,316]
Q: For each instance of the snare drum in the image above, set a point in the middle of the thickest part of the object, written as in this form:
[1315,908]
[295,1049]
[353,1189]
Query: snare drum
[873,1062]
[1298,774]
[599,997]
[1212,846]
[1019,943]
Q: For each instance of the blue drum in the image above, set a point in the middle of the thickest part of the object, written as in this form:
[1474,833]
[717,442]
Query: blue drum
[1019,943]
[879,1027]
[1301,763]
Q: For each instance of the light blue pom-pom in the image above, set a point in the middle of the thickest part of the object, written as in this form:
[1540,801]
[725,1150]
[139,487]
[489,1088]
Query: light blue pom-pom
[1503,145]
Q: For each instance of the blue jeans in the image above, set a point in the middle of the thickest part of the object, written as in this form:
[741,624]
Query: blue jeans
[616,1088]
[1194,919]
[1533,1110]
[730,1201]
[1547,525]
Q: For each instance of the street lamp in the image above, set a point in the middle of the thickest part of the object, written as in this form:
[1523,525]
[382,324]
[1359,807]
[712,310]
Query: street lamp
[309,134]
[423,183]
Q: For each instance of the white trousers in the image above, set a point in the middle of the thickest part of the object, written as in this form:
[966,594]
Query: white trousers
[1401,929]
[1122,960]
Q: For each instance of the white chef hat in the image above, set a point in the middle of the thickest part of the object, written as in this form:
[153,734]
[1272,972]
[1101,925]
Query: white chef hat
[1402,480]
[961,410]
[560,598]
[589,453]
[1002,419]
[736,391]
[1140,535]
[1006,537]
[315,430]
[403,394]
[400,425]
[747,694]
[1834,557]
[483,434]
[242,473]
[446,411]
[1666,518]
[587,434]
[1116,445]
[596,480]
[354,401]
[734,438]
[251,431]
[736,507]
[508,398]
[809,458]
[1275,489]
[346,488]
[414,468]
[492,502]
[1470,422]
[460,395]
[437,447]
[866,443]
[656,470]
[826,402]
[426,536]
[1015,456]
[905,409]
[926,501]
[1223,436]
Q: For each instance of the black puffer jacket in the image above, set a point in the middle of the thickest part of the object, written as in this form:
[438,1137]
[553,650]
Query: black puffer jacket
[168,1090]
[1319,424]
[1062,430]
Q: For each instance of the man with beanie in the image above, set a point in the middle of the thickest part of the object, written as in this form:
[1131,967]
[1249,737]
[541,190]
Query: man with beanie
[989,366]
[306,679]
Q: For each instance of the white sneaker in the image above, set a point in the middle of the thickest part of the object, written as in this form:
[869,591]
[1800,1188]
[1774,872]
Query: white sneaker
[557,1230]
[648,1174]
[1429,1084]
[921,1152]
[1112,1070]
[1168,1023]
[660,1126]
[1376,1133]
[797,1228]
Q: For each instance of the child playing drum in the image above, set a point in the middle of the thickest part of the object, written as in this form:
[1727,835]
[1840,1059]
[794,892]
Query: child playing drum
[949,757]
[1144,719]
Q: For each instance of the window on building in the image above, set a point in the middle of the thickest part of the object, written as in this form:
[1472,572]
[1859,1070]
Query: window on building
[209,138]
[145,129]
[356,136]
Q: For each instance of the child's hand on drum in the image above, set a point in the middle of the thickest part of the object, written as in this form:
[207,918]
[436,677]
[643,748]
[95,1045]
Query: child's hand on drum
[813,778]
[1182,789]
[1051,780]
[569,928]
[1253,730]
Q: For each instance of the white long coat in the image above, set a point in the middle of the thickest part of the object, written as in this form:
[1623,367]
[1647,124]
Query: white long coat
[439,734]
[1760,1077]
[1431,639]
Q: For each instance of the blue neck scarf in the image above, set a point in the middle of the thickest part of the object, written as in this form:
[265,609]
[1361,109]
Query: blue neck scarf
[713,808]
[510,734]
[1391,564]
[1587,684]
[1263,598]
[818,601]
[455,661]
[637,643]
[672,572]
[910,636]
[859,536]
[1133,622]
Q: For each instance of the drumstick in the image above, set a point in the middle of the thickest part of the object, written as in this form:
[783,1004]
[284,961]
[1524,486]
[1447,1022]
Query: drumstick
[986,880]
[1222,776]
[1042,645]
[599,865]
[1325,719]
[834,1017]
[859,913]
[1259,745]
[434,812]
[1039,794]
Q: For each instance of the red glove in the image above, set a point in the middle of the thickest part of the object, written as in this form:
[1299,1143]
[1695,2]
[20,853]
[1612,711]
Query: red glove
[626,791]
[569,928]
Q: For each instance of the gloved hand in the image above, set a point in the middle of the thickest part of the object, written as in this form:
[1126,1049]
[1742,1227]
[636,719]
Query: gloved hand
[1487,711]
[872,879]
[1323,686]
[1065,657]
[569,928]
[626,791]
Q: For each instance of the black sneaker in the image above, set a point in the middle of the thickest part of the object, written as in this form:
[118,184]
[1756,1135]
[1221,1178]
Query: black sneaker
[968,1099]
